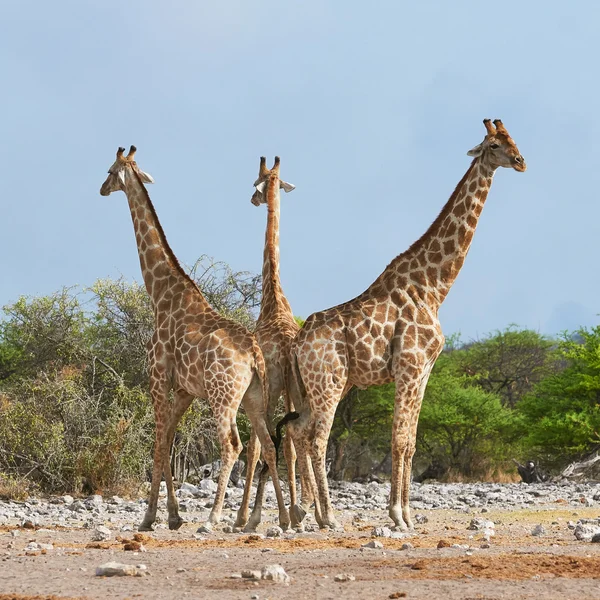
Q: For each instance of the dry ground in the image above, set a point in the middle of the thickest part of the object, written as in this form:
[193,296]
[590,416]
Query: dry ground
[517,565]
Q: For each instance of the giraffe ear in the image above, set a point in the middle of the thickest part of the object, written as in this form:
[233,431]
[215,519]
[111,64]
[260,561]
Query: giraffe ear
[260,187]
[145,177]
[122,176]
[287,187]
[477,151]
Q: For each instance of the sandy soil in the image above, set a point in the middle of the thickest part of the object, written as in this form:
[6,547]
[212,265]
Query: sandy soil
[516,565]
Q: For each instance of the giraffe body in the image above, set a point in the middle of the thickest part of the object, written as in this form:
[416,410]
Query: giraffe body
[391,332]
[194,351]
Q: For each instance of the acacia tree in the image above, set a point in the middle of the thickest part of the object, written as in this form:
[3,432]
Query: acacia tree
[562,412]
[75,412]
[508,363]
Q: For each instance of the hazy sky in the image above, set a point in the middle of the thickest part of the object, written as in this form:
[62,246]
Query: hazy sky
[372,107]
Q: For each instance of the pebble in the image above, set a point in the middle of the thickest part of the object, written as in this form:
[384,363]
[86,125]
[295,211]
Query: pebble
[406,546]
[101,534]
[274,532]
[358,498]
[373,544]
[275,573]
[538,530]
[115,569]
[342,577]
[381,532]
[586,529]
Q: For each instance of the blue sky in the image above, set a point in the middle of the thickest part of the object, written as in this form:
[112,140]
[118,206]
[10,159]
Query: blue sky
[372,107]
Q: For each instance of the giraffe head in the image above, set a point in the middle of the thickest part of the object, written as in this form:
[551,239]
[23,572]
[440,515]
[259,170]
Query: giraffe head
[120,170]
[264,176]
[498,148]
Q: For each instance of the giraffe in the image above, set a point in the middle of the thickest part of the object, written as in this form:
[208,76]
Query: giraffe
[275,330]
[391,332]
[194,351]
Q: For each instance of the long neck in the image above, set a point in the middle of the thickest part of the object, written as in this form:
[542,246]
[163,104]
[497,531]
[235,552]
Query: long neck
[160,268]
[433,262]
[273,298]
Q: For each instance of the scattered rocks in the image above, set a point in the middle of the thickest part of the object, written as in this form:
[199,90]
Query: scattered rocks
[479,524]
[385,532]
[101,534]
[420,519]
[275,573]
[343,577]
[586,529]
[406,546]
[250,574]
[538,530]
[373,544]
[115,569]
[274,532]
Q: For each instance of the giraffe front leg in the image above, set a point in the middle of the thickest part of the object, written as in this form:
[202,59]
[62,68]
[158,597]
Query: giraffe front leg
[400,434]
[252,455]
[181,403]
[159,393]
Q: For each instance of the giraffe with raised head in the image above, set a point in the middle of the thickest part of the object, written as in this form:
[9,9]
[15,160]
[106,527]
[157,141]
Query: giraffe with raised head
[391,332]
[193,352]
[275,330]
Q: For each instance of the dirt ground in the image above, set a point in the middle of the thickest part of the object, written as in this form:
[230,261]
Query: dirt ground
[516,565]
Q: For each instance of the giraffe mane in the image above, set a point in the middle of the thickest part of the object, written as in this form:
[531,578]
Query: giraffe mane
[168,250]
[446,210]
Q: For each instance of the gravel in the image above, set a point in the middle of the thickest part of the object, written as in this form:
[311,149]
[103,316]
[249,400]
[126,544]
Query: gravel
[118,514]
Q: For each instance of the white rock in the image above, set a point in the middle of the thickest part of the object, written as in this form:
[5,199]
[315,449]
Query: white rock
[250,574]
[275,573]
[208,485]
[115,569]
[381,532]
[101,534]
[538,530]
[274,532]
[373,544]
[586,531]
[344,577]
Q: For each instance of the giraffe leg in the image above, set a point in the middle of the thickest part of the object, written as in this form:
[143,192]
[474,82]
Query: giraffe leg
[252,454]
[297,431]
[159,393]
[409,395]
[231,446]
[255,409]
[410,450]
[289,452]
[317,454]
[181,403]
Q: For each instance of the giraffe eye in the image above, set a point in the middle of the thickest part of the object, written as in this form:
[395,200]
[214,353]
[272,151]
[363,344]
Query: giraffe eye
[494,146]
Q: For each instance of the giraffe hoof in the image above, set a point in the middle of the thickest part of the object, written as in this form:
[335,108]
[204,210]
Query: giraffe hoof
[145,527]
[297,514]
[175,523]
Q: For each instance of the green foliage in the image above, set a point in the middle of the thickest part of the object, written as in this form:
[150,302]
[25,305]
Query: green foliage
[75,413]
[563,411]
[507,363]
[463,428]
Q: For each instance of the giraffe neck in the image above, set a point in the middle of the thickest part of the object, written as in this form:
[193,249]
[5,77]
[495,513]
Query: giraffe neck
[433,262]
[273,299]
[160,268]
